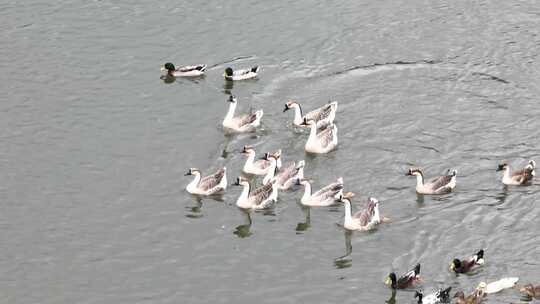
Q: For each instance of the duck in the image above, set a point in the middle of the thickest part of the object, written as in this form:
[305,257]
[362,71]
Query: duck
[185,71]
[326,196]
[260,166]
[321,140]
[242,74]
[465,265]
[498,285]
[209,185]
[322,115]
[440,296]
[287,176]
[242,123]
[258,199]
[531,291]
[408,280]
[475,298]
[364,220]
[439,185]
[520,177]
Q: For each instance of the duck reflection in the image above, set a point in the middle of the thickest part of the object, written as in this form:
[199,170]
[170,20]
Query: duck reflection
[195,211]
[228,86]
[304,226]
[243,231]
[343,261]
[392,299]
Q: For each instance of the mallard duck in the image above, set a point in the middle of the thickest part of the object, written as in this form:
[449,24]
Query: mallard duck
[241,74]
[531,291]
[475,298]
[465,265]
[323,140]
[363,220]
[441,296]
[185,71]
[439,185]
[322,115]
[260,198]
[520,177]
[211,184]
[260,166]
[408,280]
[242,123]
[326,196]
[287,176]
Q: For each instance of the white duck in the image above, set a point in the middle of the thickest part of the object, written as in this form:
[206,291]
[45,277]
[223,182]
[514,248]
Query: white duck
[326,196]
[520,177]
[260,198]
[260,166]
[211,184]
[439,185]
[287,176]
[241,74]
[185,71]
[363,220]
[498,285]
[323,115]
[440,296]
[242,123]
[321,140]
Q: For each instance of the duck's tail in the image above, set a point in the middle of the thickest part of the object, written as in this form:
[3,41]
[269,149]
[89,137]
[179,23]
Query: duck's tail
[255,69]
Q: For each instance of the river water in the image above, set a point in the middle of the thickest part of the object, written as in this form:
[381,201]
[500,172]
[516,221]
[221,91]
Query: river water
[94,145]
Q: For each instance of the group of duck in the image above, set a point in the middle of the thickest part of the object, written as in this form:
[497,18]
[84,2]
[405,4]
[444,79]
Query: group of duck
[323,139]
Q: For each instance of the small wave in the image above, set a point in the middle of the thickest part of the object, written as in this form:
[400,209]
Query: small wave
[491,77]
[378,67]
[232,60]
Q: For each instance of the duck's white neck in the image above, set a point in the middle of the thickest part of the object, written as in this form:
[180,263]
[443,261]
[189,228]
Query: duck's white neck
[195,181]
[230,112]
[307,190]
[312,133]
[297,114]
[506,173]
[348,211]
[244,196]
[271,171]
[419,180]
[376,215]
[251,157]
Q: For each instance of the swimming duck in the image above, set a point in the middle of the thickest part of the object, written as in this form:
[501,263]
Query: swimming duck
[441,296]
[520,177]
[260,166]
[321,140]
[439,185]
[498,285]
[408,280]
[287,176]
[241,74]
[185,71]
[260,198]
[475,298]
[211,184]
[364,220]
[242,123]
[324,114]
[531,291]
[326,196]
[464,266]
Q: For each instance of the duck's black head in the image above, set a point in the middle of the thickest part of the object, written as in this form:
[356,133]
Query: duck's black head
[502,166]
[391,280]
[229,71]
[455,265]
[169,67]
[480,254]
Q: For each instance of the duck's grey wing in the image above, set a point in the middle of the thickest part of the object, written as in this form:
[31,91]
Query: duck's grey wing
[246,119]
[320,113]
[326,136]
[262,164]
[261,194]
[189,68]
[329,191]
[286,174]
[211,181]
[440,182]
[524,175]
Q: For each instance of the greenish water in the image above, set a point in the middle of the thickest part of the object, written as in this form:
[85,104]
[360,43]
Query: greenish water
[93,148]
